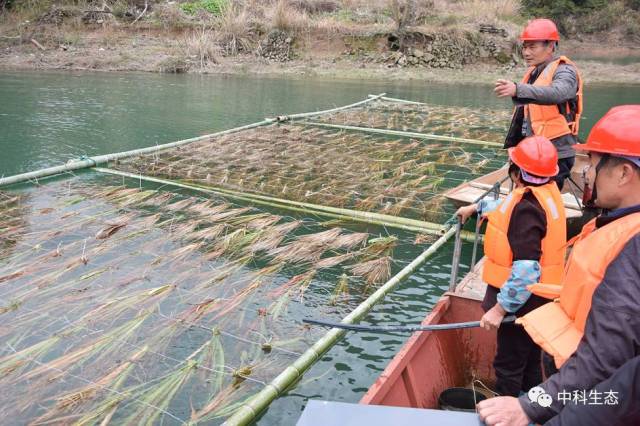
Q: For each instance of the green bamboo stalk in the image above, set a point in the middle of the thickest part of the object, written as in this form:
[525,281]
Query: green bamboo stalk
[327,111]
[362,216]
[337,213]
[260,401]
[93,161]
[403,101]
[415,135]
[414,224]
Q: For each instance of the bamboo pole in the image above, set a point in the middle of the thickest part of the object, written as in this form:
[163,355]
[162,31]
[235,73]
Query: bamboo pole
[402,101]
[405,134]
[260,401]
[354,214]
[84,163]
[335,213]
[327,111]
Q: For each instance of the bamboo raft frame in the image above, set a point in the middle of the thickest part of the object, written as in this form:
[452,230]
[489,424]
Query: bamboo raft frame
[260,401]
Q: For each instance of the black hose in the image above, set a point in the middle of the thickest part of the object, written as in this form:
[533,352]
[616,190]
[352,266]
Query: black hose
[402,328]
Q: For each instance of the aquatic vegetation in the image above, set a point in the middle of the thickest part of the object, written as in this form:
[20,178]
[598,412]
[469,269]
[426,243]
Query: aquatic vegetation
[341,292]
[346,169]
[145,304]
[473,123]
[130,288]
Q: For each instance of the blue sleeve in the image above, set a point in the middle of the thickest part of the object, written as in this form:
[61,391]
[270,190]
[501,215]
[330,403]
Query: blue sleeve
[487,206]
[514,293]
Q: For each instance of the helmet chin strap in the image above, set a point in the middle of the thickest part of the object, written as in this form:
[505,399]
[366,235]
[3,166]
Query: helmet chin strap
[590,202]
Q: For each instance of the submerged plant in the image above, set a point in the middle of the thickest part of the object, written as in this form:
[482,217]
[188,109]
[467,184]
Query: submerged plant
[73,401]
[341,292]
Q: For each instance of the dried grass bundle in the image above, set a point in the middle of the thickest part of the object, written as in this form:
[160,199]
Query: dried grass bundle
[374,271]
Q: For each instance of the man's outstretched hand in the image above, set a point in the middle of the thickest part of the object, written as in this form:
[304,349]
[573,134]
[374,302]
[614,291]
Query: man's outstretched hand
[505,88]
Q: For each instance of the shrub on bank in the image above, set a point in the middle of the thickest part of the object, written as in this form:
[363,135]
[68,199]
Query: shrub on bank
[276,28]
[215,7]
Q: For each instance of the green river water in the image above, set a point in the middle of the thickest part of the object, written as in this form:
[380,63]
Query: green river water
[49,118]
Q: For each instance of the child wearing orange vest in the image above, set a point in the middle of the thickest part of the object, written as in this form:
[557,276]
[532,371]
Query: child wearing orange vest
[592,327]
[524,243]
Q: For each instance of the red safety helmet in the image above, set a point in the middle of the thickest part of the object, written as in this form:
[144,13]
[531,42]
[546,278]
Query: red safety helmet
[616,133]
[536,155]
[540,30]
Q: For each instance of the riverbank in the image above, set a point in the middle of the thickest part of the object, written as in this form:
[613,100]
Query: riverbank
[115,60]
[349,40]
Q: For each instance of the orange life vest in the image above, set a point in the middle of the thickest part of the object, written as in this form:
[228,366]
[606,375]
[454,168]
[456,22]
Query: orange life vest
[546,120]
[497,267]
[558,327]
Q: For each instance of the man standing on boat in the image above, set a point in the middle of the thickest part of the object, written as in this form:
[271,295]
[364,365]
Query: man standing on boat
[524,243]
[548,100]
[593,326]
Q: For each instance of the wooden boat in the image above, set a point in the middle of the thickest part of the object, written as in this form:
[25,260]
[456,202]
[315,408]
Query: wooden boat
[431,362]
[408,390]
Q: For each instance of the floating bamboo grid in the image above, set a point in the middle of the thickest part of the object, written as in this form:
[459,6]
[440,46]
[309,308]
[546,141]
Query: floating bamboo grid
[130,304]
[344,169]
[478,123]
[174,292]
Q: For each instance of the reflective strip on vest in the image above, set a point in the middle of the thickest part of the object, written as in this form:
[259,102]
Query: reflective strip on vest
[552,208]
[506,203]
[497,267]
[558,327]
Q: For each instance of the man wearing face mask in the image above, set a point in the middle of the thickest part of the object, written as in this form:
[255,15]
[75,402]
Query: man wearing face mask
[592,328]
[524,243]
[548,100]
